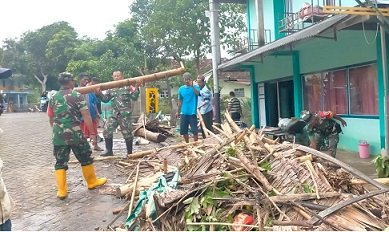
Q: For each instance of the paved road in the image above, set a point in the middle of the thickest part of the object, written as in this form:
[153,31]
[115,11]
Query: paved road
[25,148]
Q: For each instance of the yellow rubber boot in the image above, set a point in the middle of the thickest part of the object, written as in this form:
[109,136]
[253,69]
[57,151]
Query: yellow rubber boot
[60,176]
[88,172]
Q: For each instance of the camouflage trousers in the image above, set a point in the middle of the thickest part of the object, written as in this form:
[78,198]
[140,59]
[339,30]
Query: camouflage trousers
[82,151]
[114,121]
[329,144]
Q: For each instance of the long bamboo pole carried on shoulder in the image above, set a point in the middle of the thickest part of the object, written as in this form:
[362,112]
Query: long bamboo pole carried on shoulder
[132,81]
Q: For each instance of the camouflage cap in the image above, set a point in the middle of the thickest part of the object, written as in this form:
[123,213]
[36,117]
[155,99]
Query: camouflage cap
[65,76]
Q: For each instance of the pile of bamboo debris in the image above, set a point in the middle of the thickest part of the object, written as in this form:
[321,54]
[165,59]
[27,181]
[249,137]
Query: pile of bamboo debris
[280,186]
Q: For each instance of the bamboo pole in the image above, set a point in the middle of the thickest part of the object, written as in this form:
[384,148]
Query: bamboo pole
[340,164]
[345,203]
[141,154]
[202,123]
[379,180]
[218,224]
[302,197]
[131,81]
[133,190]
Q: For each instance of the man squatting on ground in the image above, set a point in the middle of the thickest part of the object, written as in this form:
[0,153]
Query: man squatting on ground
[121,113]
[65,110]
[187,107]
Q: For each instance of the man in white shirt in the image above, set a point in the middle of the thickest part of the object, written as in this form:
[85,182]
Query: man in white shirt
[204,103]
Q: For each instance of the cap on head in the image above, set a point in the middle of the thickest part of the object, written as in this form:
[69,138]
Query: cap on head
[305,115]
[187,76]
[64,77]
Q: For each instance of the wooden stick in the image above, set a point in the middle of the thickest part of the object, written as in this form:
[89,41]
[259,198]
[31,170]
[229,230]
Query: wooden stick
[253,169]
[133,190]
[341,164]
[213,134]
[302,196]
[313,176]
[271,201]
[301,206]
[129,176]
[345,203]
[148,152]
[119,214]
[221,131]
[218,224]
[231,122]
[379,180]
[292,223]
[131,81]
[202,123]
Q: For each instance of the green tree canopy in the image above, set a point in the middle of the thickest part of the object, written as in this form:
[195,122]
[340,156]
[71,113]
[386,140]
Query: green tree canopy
[180,29]
[43,53]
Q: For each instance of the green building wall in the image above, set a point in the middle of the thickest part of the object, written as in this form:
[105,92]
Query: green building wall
[316,55]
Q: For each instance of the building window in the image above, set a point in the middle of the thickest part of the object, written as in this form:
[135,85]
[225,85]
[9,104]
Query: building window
[351,91]
[335,91]
[312,92]
[239,92]
[163,93]
[363,91]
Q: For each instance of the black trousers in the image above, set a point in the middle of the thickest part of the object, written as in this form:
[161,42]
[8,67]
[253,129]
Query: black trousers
[208,121]
[235,116]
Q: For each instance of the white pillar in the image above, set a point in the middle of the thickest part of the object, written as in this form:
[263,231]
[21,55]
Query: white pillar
[216,60]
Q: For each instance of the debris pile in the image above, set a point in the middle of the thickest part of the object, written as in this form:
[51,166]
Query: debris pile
[241,180]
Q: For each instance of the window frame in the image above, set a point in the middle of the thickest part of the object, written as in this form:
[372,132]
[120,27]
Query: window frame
[241,92]
[348,97]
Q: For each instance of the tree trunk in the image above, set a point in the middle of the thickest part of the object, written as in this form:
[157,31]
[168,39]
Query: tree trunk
[149,135]
[42,82]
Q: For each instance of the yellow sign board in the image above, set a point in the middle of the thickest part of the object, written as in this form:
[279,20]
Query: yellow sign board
[152,98]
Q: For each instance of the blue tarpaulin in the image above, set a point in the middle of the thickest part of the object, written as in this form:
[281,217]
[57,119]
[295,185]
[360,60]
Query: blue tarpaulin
[146,199]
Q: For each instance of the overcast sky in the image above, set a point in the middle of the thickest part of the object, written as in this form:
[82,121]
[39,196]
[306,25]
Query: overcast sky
[89,17]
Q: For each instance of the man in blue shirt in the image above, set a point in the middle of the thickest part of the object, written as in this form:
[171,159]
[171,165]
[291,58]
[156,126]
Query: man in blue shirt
[205,104]
[187,107]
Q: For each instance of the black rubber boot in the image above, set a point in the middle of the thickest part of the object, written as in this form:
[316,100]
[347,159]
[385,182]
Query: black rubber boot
[129,142]
[108,147]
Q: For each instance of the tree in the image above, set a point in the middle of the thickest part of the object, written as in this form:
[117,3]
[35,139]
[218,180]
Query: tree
[14,57]
[47,51]
[179,29]
[120,50]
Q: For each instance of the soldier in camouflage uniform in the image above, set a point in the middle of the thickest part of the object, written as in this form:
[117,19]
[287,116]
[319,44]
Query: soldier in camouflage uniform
[66,107]
[121,113]
[323,130]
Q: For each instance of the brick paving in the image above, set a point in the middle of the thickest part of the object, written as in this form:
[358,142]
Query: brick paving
[26,150]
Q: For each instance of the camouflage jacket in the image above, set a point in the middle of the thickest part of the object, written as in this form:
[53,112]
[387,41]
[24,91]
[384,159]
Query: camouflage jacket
[121,100]
[67,105]
[325,127]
